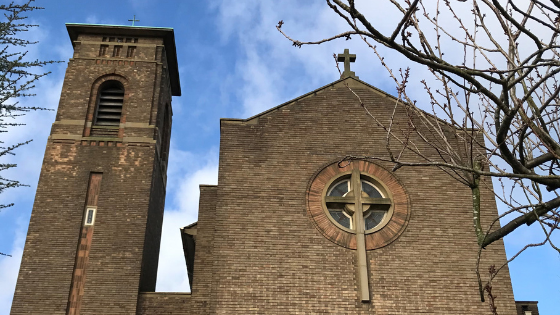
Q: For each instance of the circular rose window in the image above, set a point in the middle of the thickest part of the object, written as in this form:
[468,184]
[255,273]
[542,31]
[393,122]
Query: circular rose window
[359,199]
[340,202]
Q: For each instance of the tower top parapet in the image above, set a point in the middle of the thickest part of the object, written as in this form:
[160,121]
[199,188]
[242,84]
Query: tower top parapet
[166,33]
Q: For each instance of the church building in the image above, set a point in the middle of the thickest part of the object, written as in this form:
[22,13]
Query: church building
[287,229]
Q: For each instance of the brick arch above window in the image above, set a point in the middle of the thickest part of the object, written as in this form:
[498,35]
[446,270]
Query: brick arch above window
[99,123]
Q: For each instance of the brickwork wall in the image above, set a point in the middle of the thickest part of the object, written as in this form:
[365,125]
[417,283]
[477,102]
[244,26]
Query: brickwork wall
[199,301]
[257,251]
[114,259]
[154,223]
[132,193]
[164,303]
[269,257]
[205,262]
[159,178]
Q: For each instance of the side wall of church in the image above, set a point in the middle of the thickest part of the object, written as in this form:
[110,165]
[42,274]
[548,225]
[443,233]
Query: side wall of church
[204,260]
[109,278]
[199,301]
[161,118]
[273,260]
[166,303]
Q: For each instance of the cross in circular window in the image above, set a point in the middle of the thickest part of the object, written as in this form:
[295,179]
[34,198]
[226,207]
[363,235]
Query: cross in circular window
[341,201]
[357,205]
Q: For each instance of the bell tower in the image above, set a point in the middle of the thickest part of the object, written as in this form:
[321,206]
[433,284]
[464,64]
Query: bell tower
[94,235]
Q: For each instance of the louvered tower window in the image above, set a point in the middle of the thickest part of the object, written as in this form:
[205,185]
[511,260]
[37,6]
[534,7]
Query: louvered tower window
[109,106]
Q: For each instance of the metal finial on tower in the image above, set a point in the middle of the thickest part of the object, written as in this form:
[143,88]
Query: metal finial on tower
[134,20]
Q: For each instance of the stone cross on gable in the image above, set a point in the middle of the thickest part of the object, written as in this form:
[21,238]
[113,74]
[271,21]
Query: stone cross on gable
[347,58]
[356,199]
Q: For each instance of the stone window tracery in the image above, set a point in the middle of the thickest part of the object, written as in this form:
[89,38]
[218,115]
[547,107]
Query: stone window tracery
[331,204]
[359,206]
[343,212]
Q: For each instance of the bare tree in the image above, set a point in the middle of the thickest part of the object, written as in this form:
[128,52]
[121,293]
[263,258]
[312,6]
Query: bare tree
[499,91]
[17,78]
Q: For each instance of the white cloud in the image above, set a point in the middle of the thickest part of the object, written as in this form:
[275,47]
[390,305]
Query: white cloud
[9,267]
[28,157]
[141,5]
[271,71]
[94,19]
[37,124]
[270,67]
[183,187]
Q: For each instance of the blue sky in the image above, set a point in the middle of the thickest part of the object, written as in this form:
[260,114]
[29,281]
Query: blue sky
[233,63]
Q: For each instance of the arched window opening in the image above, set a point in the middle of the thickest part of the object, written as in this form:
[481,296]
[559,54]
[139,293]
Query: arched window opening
[109,104]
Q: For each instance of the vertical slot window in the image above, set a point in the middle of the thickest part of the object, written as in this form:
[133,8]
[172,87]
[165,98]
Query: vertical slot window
[117,51]
[90,215]
[109,104]
[166,133]
[130,51]
[103,50]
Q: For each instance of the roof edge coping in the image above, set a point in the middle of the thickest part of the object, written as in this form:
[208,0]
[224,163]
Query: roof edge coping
[257,116]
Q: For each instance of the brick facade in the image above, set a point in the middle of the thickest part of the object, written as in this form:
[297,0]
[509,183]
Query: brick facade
[258,248]
[124,245]
[258,251]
